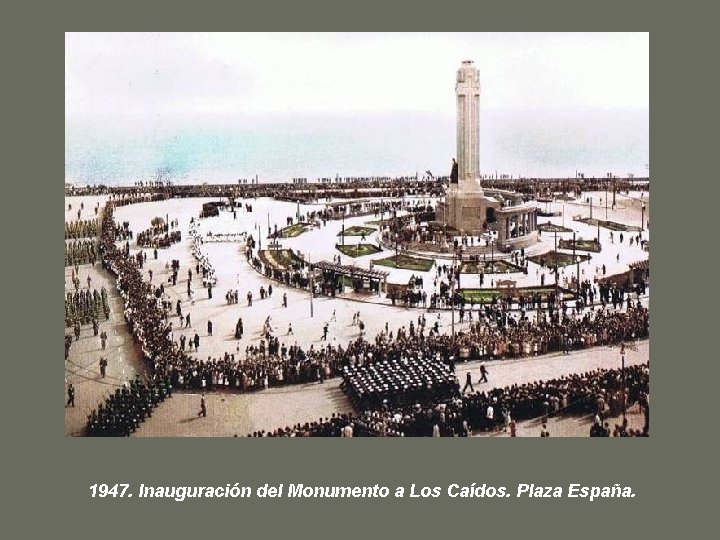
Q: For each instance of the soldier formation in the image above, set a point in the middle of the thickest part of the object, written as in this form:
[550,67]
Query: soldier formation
[80,252]
[125,409]
[86,307]
[81,229]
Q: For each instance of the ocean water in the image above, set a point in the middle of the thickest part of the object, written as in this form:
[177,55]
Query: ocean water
[116,149]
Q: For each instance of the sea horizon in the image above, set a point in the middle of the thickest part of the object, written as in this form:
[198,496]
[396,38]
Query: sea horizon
[124,149]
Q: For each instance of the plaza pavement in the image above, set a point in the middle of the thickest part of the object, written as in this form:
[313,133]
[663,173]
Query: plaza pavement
[233,272]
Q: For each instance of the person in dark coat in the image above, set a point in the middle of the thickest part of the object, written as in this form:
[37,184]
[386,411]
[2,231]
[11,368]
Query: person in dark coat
[239,329]
[209,326]
[468,382]
[203,407]
[71,396]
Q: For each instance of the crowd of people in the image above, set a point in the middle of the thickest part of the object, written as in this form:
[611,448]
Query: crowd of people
[499,334]
[80,252]
[154,239]
[81,228]
[602,393]
[204,266]
[143,309]
[496,333]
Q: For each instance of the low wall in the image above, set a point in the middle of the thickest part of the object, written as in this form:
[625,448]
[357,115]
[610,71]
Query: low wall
[520,242]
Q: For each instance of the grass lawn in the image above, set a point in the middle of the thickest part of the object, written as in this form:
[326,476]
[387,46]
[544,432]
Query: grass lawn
[405,262]
[551,227]
[488,267]
[554,258]
[582,245]
[486,295]
[279,258]
[293,230]
[358,250]
[612,225]
[357,231]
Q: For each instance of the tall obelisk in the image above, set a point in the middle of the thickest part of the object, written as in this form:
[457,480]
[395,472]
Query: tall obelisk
[466,203]
[467,92]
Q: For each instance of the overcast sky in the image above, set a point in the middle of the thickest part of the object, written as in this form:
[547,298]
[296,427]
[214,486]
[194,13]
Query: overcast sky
[134,84]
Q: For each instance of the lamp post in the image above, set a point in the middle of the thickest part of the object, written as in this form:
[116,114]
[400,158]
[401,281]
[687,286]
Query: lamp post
[312,285]
[606,201]
[577,260]
[591,201]
[557,298]
[452,296]
[642,217]
[396,226]
[622,364]
[492,254]
[342,211]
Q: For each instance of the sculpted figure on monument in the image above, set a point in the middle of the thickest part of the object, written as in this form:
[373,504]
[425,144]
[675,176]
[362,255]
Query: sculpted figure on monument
[454,173]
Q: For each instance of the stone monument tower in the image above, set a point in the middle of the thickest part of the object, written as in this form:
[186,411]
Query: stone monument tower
[467,92]
[466,204]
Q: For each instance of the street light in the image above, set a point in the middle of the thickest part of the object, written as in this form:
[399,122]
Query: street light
[492,254]
[557,297]
[622,360]
[606,201]
[452,296]
[396,226]
[312,286]
[342,211]
[642,217]
[577,259]
[578,265]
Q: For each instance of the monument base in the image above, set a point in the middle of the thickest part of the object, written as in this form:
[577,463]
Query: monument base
[468,212]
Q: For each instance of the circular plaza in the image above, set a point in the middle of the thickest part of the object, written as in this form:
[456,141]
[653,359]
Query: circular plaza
[306,313]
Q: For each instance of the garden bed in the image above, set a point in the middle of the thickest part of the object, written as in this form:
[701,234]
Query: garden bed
[581,245]
[551,227]
[487,295]
[280,259]
[612,225]
[556,258]
[357,231]
[490,267]
[291,231]
[358,250]
[405,262]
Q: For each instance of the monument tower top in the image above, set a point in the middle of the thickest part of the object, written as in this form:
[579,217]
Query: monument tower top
[467,91]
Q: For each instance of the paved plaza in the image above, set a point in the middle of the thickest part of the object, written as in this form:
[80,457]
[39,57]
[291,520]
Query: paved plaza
[231,414]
